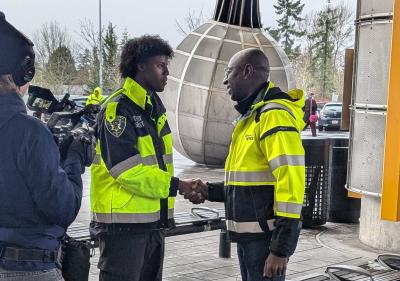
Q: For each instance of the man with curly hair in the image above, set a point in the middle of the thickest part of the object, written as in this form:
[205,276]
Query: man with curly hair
[132,186]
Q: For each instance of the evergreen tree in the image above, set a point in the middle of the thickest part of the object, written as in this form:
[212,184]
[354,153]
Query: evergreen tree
[274,33]
[322,65]
[61,62]
[60,69]
[287,32]
[85,60]
[110,59]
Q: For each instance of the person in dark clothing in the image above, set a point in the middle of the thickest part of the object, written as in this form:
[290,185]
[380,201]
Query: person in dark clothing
[310,114]
[39,196]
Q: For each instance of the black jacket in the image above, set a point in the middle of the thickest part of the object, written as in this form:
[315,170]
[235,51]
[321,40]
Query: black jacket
[39,199]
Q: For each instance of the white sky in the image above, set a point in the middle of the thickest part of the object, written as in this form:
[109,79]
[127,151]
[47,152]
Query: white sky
[138,17]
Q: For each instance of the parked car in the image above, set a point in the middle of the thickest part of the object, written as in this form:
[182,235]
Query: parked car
[320,105]
[330,116]
[79,100]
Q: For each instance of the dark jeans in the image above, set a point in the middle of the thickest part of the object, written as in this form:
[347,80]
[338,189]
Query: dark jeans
[252,256]
[41,275]
[131,257]
[313,127]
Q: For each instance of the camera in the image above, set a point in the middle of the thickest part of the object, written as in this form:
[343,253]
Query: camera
[66,119]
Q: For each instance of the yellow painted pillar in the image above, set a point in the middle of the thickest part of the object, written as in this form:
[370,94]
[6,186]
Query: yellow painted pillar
[390,207]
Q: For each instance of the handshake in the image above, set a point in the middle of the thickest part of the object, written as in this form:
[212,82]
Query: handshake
[195,191]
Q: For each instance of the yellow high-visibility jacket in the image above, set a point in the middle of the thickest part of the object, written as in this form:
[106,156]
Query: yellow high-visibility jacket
[95,97]
[132,176]
[265,171]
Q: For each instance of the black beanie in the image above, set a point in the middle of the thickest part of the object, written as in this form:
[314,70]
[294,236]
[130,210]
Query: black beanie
[14,46]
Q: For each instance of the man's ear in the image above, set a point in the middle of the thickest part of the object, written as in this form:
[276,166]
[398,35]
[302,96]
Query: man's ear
[141,67]
[248,71]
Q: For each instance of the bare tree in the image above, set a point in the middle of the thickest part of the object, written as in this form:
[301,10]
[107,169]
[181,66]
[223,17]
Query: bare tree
[90,55]
[343,33]
[308,26]
[301,64]
[89,62]
[89,34]
[55,57]
[191,21]
[48,38]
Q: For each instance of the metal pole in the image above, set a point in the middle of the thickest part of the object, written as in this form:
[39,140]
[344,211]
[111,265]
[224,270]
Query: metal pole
[100,50]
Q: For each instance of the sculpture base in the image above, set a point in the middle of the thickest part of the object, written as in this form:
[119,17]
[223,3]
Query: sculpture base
[377,233]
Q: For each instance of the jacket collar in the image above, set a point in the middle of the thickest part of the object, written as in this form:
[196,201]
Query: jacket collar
[258,100]
[244,105]
[135,92]
[10,104]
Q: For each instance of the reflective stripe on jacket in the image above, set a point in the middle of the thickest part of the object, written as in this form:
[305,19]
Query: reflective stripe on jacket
[264,171]
[132,171]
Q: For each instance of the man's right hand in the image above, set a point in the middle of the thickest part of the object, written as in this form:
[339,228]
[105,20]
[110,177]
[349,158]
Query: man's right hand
[275,266]
[195,190]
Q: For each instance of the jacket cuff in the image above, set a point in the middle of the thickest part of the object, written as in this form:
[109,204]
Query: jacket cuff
[280,255]
[173,189]
[216,191]
[285,236]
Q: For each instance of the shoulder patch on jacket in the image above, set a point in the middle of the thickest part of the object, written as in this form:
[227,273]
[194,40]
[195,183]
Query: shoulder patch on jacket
[117,126]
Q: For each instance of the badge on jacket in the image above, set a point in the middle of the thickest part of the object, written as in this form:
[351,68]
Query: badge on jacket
[117,126]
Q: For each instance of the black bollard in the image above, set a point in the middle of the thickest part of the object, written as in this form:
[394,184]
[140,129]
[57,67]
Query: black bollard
[224,245]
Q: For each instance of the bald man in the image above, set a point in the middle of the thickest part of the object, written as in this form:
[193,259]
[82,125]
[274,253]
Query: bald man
[264,182]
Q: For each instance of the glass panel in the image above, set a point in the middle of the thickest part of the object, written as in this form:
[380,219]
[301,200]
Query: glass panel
[273,57]
[219,77]
[249,38]
[222,108]
[217,31]
[233,34]
[191,126]
[193,100]
[228,50]
[199,72]
[188,43]
[219,133]
[215,154]
[203,28]
[209,48]
[263,40]
[177,65]
[194,149]
[169,95]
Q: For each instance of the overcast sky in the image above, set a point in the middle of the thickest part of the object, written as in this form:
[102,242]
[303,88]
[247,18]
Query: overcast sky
[138,17]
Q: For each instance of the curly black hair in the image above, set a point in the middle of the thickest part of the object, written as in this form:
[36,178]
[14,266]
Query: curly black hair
[139,50]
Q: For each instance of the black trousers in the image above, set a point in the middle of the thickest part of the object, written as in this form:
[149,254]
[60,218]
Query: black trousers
[313,127]
[131,257]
